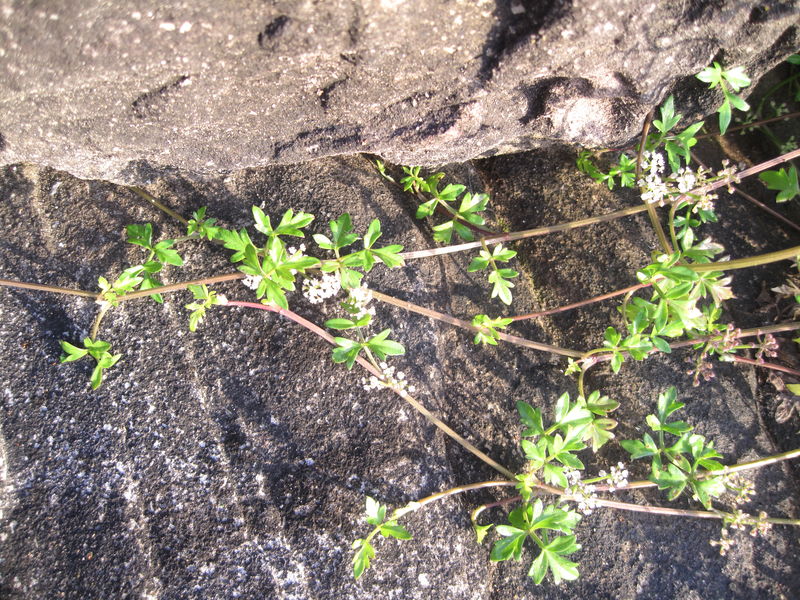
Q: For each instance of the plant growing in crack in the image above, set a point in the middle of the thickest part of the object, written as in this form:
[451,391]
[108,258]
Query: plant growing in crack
[685,287]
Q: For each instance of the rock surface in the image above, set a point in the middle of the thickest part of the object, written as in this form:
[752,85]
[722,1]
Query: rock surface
[115,91]
[233,462]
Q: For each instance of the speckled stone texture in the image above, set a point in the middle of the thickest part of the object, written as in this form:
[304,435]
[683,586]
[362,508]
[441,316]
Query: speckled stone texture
[120,91]
[233,462]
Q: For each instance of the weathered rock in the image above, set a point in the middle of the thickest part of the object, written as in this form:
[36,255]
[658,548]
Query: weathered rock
[110,91]
[233,462]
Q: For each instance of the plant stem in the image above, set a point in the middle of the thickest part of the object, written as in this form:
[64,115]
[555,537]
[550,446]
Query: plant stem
[464,488]
[658,510]
[779,328]
[745,466]
[746,263]
[754,201]
[521,235]
[152,200]
[567,307]
[766,365]
[174,287]
[469,326]
[651,210]
[98,319]
[47,288]
[434,420]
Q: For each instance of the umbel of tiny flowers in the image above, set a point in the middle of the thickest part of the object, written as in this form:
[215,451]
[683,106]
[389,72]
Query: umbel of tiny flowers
[583,494]
[617,478]
[317,290]
[397,382]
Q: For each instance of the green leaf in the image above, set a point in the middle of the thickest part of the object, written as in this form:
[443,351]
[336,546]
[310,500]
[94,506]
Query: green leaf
[724,116]
[395,531]
[165,254]
[531,418]
[373,233]
[364,553]
[382,346]
[782,181]
[480,531]
[426,209]
[509,546]
[559,567]
[72,352]
[340,324]
[376,512]
[97,377]
[141,235]
[390,256]
[262,222]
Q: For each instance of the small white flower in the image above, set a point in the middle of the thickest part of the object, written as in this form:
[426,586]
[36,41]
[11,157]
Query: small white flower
[317,290]
[252,281]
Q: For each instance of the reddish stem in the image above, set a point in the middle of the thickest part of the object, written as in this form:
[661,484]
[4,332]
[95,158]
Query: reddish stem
[600,298]
[766,365]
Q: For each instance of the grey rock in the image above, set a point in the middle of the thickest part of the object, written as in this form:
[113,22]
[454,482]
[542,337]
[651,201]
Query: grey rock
[233,462]
[121,92]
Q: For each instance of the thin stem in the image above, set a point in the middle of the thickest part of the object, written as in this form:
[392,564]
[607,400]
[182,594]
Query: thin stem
[47,288]
[464,488]
[779,328]
[745,466]
[152,200]
[512,339]
[754,201]
[174,287]
[651,210]
[642,142]
[746,263]
[766,365]
[521,235]
[567,307]
[314,328]
[98,319]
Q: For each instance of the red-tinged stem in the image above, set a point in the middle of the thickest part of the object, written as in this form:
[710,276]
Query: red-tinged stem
[512,339]
[433,419]
[754,201]
[749,125]
[766,365]
[567,307]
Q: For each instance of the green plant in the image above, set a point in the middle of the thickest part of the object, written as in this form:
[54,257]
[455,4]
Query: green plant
[681,294]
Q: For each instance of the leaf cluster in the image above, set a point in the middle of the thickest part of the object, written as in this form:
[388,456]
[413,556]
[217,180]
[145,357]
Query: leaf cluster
[729,81]
[386,527]
[675,307]
[683,464]
[464,214]
[98,350]
[342,236]
[488,333]
[160,254]
[499,277]
[204,299]
[347,350]
[782,181]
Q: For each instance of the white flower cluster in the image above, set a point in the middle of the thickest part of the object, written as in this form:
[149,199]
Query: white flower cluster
[317,290]
[252,281]
[357,302]
[618,478]
[581,493]
[396,382]
[660,191]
